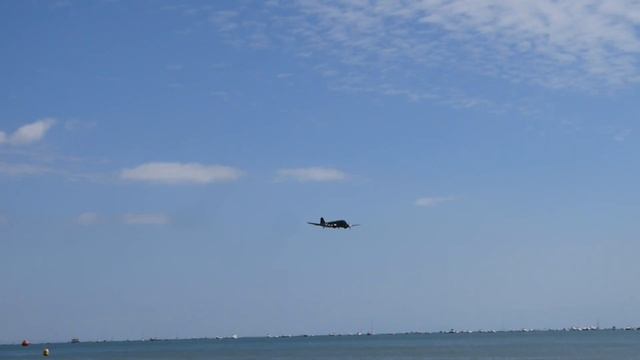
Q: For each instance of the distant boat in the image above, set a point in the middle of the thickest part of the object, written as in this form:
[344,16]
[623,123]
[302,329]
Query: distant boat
[75,340]
[25,343]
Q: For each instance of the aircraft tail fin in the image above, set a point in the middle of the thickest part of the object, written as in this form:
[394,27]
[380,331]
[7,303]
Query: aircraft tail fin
[322,222]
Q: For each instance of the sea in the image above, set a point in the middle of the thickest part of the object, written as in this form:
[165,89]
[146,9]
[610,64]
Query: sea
[538,345]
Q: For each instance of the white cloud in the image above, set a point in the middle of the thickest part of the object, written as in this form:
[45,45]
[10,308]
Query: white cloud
[146,219]
[29,133]
[88,218]
[433,201]
[179,173]
[319,174]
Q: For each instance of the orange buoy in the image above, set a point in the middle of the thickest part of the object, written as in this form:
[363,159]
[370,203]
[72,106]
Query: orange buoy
[25,343]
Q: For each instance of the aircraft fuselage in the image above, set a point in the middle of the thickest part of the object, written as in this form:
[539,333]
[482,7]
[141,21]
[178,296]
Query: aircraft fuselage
[337,224]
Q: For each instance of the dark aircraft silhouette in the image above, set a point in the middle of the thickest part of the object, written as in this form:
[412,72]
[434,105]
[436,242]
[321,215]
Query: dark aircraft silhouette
[338,224]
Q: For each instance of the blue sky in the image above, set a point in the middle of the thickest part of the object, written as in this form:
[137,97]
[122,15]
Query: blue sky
[159,161]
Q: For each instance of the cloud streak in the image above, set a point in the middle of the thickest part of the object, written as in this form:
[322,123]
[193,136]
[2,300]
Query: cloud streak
[172,173]
[87,218]
[146,219]
[22,169]
[433,201]
[311,174]
[28,134]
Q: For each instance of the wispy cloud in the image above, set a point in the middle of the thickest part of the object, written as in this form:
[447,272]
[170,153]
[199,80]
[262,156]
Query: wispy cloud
[28,134]
[146,219]
[433,201]
[24,160]
[311,174]
[225,20]
[622,135]
[180,173]
[52,168]
[176,85]
[87,218]
[223,95]
[412,48]
[22,169]
[174,67]
[73,125]
[61,4]
[546,42]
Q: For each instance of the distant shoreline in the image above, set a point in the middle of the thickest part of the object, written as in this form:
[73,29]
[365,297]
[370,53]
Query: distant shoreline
[441,332]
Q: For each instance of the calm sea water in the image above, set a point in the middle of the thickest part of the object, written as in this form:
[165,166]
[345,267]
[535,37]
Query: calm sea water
[533,345]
